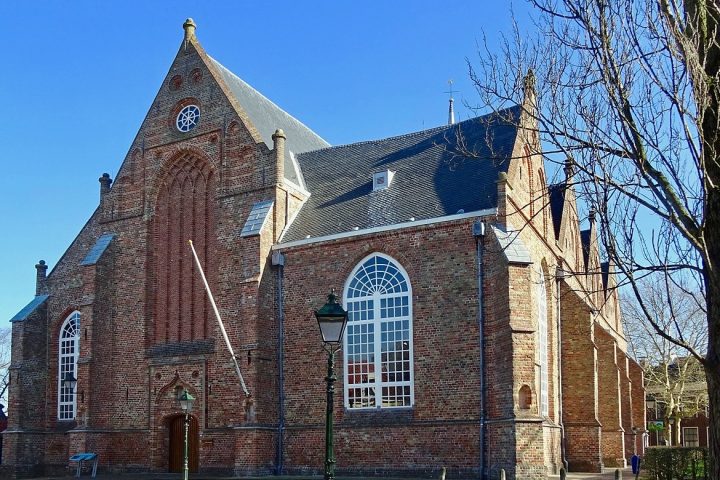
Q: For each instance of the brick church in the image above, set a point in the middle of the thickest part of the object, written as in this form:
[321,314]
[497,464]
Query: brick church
[484,331]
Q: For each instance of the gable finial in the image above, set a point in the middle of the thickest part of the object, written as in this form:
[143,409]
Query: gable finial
[451,110]
[189,27]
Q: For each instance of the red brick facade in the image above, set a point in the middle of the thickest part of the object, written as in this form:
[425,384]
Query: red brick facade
[147,330]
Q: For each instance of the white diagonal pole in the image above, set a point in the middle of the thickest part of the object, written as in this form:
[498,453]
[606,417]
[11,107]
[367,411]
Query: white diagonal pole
[220,322]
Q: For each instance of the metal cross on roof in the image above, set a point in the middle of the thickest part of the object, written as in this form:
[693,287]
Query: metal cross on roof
[451,91]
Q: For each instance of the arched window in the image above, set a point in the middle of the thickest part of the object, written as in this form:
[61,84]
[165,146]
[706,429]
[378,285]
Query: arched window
[67,363]
[185,210]
[378,342]
[542,333]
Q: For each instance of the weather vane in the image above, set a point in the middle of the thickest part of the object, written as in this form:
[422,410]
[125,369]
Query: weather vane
[451,91]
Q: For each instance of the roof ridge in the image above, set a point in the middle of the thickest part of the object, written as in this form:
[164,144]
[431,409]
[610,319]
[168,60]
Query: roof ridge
[290,117]
[406,135]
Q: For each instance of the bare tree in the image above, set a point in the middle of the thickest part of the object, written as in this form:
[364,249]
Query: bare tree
[628,93]
[5,336]
[675,379]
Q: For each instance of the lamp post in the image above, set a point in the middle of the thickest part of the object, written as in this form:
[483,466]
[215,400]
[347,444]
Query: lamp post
[332,320]
[186,402]
[634,434]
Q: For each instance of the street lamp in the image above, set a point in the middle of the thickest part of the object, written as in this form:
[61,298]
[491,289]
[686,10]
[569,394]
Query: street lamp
[186,403]
[634,433]
[69,381]
[332,320]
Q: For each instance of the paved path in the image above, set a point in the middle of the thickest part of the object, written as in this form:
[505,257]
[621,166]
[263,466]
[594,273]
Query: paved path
[607,475]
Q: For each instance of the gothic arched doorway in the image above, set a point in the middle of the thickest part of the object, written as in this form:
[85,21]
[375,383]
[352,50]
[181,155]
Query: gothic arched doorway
[176,427]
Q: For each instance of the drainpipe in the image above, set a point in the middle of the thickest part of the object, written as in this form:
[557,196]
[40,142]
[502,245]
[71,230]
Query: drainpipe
[560,275]
[478,229]
[278,260]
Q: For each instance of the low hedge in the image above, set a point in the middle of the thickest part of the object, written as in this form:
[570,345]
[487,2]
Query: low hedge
[675,463]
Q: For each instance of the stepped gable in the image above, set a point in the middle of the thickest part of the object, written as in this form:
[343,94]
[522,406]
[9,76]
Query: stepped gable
[267,117]
[434,176]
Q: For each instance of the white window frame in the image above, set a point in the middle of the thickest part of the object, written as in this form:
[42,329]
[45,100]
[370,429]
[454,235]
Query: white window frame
[697,436]
[68,353]
[378,383]
[543,345]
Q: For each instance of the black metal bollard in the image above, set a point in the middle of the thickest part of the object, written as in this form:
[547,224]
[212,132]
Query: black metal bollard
[563,474]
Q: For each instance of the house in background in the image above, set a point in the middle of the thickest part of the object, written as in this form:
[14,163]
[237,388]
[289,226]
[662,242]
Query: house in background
[484,331]
[694,428]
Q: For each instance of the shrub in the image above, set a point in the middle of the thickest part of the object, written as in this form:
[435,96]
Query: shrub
[675,463]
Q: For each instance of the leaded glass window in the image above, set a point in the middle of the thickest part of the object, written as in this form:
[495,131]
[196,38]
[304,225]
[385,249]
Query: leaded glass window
[378,340]
[542,333]
[67,363]
[188,118]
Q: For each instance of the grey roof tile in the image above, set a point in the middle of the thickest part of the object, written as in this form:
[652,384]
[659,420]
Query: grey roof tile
[268,117]
[512,247]
[434,176]
[23,314]
[256,218]
[98,249]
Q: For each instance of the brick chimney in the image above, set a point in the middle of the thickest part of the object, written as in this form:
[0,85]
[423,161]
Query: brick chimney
[279,149]
[105,182]
[41,278]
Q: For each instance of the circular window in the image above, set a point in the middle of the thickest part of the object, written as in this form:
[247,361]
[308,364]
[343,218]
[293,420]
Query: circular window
[188,118]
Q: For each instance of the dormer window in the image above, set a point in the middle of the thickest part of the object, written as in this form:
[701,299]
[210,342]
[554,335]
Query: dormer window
[382,180]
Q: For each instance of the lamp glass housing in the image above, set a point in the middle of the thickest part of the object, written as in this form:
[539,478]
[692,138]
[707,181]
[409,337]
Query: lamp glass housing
[69,381]
[332,319]
[332,329]
[186,401]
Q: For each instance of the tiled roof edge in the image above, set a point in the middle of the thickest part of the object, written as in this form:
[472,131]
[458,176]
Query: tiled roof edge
[513,248]
[28,309]
[386,228]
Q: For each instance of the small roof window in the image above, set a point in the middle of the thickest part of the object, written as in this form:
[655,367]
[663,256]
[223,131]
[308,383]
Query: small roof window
[382,180]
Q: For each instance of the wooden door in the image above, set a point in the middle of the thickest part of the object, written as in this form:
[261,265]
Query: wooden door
[177,444]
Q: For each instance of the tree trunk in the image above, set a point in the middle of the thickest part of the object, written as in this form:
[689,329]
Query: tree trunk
[705,18]
[712,362]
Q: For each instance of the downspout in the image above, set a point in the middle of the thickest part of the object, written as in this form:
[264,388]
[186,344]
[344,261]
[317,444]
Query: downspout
[559,276]
[479,234]
[278,260]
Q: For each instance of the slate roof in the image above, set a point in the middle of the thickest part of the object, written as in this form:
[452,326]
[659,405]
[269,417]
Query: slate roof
[434,177]
[28,310]
[512,247]
[557,202]
[102,243]
[268,117]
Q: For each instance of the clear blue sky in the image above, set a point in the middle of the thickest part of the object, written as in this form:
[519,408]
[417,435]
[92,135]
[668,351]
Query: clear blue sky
[77,79]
